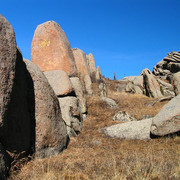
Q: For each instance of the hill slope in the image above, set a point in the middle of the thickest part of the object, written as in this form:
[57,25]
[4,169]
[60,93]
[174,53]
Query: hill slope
[92,155]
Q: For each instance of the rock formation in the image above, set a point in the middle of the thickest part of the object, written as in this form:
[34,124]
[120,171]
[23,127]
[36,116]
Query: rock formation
[132,84]
[16,102]
[50,49]
[151,85]
[168,65]
[69,103]
[79,93]
[83,70]
[51,134]
[167,121]
[8,55]
[71,114]
[92,66]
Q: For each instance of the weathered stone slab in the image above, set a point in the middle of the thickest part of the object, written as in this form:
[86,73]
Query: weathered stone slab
[130,130]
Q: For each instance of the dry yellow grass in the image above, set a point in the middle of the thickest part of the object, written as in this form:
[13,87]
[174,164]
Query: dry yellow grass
[92,155]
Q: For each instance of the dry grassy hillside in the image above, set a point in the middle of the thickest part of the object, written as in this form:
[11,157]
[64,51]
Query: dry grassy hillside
[92,155]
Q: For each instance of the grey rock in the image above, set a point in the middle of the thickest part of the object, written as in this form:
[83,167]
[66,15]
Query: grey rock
[130,130]
[98,74]
[110,102]
[79,93]
[92,66]
[103,89]
[176,82]
[71,114]
[60,82]
[167,121]
[151,85]
[168,66]
[166,88]
[83,70]
[132,84]
[123,116]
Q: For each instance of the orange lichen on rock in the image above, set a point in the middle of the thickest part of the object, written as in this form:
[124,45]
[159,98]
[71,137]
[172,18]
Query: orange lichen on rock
[50,49]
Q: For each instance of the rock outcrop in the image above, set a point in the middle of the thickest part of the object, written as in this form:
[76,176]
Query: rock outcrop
[69,103]
[167,121]
[151,85]
[92,67]
[132,84]
[130,130]
[51,133]
[169,65]
[83,70]
[50,49]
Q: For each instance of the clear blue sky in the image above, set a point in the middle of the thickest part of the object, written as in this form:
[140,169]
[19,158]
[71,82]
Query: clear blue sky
[125,36]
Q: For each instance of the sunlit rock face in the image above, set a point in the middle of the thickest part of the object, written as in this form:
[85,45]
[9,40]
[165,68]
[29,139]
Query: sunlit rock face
[83,70]
[50,49]
[92,66]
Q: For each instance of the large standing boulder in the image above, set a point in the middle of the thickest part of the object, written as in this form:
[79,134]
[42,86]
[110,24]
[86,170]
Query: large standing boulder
[60,82]
[130,130]
[8,52]
[16,114]
[79,93]
[98,74]
[151,85]
[71,114]
[92,66]
[167,121]
[50,49]
[83,69]
[51,133]
[19,135]
[176,82]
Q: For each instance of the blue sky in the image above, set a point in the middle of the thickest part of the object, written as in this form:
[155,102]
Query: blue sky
[125,36]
